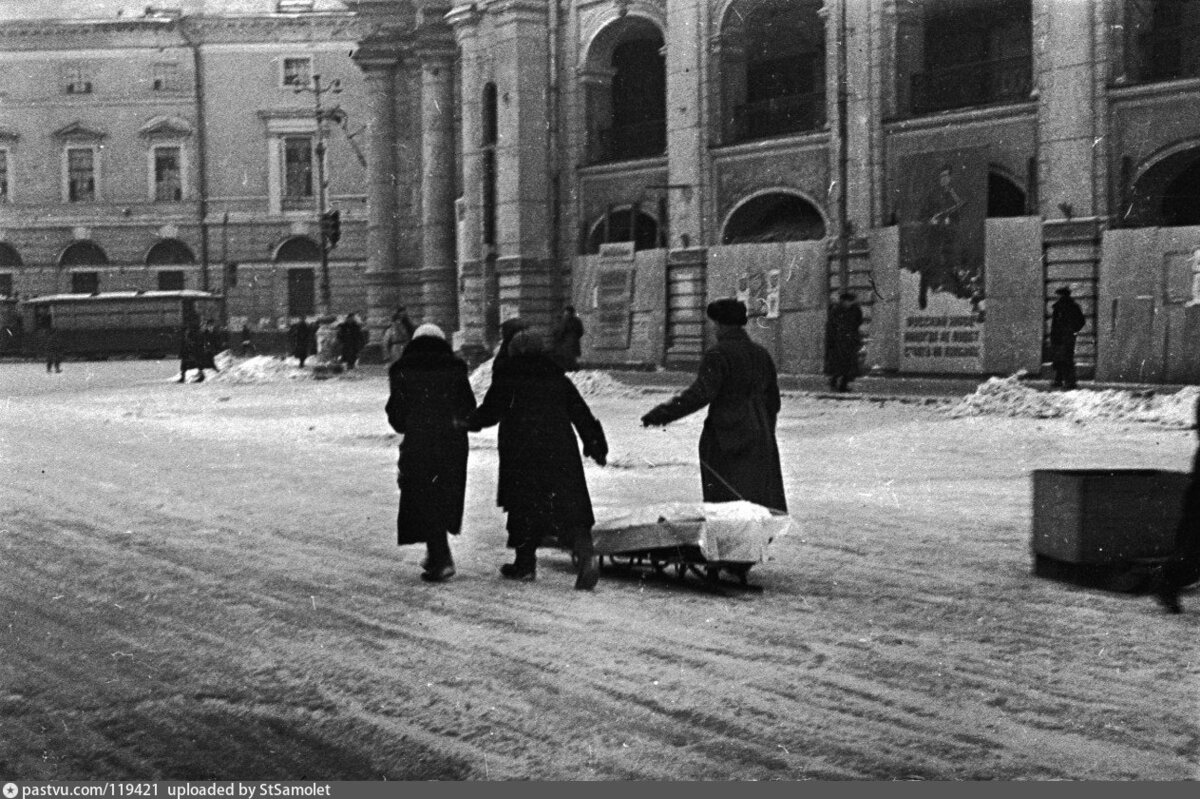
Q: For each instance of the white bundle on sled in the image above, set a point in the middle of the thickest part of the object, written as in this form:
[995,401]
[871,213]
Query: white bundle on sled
[723,531]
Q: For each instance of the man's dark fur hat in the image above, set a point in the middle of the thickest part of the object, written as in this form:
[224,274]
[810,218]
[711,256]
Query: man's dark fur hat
[727,311]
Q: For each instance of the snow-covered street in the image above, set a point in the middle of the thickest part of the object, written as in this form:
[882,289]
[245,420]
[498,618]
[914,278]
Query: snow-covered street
[200,581]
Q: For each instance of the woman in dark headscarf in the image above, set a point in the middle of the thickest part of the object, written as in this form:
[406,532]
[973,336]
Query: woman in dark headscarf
[429,403]
[542,485]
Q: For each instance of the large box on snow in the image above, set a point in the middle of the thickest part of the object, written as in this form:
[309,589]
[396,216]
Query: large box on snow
[1105,517]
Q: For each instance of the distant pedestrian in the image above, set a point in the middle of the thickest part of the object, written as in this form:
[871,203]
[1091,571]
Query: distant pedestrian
[1183,566]
[399,333]
[542,485]
[739,457]
[567,335]
[843,341]
[1066,320]
[191,349]
[428,406]
[212,341]
[247,342]
[52,348]
[300,340]
[350,339]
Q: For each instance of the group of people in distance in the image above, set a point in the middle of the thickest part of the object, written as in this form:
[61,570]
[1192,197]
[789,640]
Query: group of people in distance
[199,344]
[541,485]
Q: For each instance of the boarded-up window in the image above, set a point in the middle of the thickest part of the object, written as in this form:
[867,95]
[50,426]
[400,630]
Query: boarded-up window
[613,300]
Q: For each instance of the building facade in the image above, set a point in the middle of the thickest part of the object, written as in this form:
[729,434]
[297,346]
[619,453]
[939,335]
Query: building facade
[165,149]
[639,157]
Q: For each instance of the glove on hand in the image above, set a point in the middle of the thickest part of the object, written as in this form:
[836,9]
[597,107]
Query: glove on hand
[655,418]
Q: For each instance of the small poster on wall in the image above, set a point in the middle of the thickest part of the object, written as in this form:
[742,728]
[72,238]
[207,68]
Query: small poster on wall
[759,290]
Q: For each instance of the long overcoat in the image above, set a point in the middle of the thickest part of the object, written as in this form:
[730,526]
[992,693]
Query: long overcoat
[843,340]
[1066,320]
[739,458]
[539,411]
[429,392]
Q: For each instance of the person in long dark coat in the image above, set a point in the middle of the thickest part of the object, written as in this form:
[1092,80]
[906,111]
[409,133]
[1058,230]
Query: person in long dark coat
[542,485]
[212,341]
[1066,320]
[191,350]
[1183,566]
[739,457]
[429,403]
[350,339]
[300,340]
[843,341]
[567,335]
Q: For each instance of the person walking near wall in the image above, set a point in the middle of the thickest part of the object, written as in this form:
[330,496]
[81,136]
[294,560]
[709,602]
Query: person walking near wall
[541,484]
[212,341]
[399,333]
[739,457]
[52,347]
[350,339]
[1183,566]
[300,340]
[191,349]
[843,341]
[428,405]
[1066,320]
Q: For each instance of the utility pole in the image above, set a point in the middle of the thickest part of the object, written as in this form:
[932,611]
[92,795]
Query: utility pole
[327,220]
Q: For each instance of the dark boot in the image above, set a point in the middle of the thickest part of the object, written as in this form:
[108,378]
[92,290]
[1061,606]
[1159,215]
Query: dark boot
[439,564]
[524,568]
[586,562]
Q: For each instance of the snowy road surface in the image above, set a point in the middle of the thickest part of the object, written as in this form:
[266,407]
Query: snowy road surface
[200,582]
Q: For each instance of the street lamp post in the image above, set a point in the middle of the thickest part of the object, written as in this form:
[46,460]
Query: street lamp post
[324,219]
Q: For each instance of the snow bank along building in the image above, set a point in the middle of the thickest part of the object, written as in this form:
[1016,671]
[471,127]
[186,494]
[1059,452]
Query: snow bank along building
[954,162]
[146,148]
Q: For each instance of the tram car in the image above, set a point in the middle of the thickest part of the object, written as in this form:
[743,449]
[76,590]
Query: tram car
[139,323]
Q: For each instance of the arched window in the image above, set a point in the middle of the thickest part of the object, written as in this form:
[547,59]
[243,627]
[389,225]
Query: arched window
[1166,194]
[772,68]
[777,216]
[83,253]
[623,224]
[625,85]
[9,255]
[298,248]
[169,252]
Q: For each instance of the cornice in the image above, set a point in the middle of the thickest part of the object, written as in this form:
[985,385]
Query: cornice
[166,126]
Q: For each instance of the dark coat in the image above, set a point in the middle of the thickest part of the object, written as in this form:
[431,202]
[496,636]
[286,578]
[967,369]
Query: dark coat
[191,348]
[541,472]
[739,458]
[843,340]
[212,341]
[1066,320]
[429,391]
[300,339]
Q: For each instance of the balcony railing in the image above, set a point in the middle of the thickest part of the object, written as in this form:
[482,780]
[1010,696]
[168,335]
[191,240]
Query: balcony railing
[1170,54]
[1003,80]
[778,116]
[627,142]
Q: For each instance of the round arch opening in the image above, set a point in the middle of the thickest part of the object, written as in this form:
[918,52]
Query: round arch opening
[298,249]
[1004,197]
[774,217]
[170,252]
[1167,194]
[83,253]
[625,91]
[621,227]
[9,255]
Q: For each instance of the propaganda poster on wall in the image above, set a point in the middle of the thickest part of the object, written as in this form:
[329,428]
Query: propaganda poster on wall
[942,205]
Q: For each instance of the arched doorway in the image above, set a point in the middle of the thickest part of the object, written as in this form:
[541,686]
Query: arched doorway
[625,90]
[301,280]
[775,216]
[772,68]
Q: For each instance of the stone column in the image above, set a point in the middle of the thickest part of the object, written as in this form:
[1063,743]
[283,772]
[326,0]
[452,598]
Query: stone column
[438,272]
[1069,72]
[476,298]
[382,275]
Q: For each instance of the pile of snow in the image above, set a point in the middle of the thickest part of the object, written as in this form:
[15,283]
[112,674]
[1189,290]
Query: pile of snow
[1008,396]
[591,383]
[260,369]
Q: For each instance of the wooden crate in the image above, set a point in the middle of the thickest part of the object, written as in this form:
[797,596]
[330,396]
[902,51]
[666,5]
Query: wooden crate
[1105,517]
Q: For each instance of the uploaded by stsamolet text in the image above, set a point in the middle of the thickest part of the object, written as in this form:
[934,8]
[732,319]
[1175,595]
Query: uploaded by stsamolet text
[165,790]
